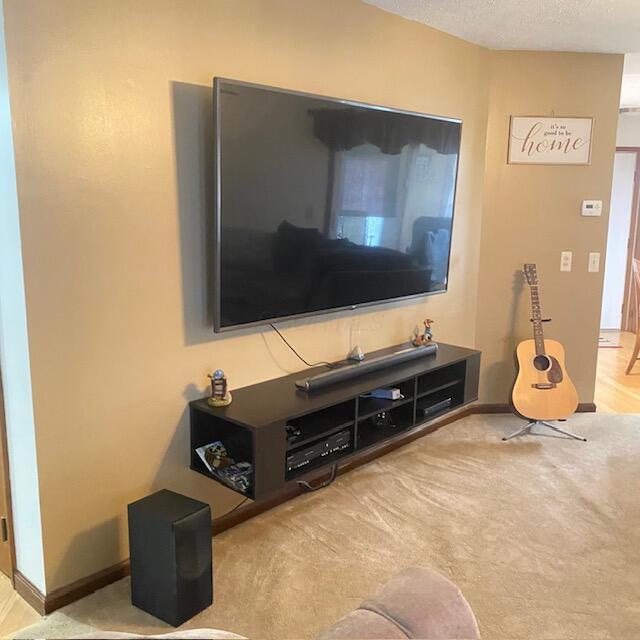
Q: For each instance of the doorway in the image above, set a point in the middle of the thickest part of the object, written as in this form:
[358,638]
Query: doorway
[617,391]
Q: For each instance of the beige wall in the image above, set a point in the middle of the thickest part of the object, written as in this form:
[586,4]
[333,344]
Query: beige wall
[532,213]
[111,102]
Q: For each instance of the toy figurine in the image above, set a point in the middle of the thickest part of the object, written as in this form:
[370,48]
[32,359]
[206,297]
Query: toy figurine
[428,333]
[418,340]
[220,394]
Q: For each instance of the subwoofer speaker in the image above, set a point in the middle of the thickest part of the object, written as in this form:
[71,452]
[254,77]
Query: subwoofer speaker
[170,551]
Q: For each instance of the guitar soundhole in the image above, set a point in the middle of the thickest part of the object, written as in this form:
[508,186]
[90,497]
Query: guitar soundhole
[542,363]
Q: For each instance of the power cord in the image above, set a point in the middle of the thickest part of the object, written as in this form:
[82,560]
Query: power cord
[236,507]
[309,364]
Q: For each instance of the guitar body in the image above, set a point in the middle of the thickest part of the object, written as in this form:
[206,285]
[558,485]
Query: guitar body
[543,390]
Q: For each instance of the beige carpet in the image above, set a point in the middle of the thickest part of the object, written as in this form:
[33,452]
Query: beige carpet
[542,535]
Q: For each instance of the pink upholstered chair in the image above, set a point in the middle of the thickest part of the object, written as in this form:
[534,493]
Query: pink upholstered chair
[417,603]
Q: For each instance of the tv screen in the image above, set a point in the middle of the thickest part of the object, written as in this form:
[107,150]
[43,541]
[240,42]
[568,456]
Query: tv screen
[326,204]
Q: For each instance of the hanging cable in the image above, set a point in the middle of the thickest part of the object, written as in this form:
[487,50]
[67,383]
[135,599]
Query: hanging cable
[309,364]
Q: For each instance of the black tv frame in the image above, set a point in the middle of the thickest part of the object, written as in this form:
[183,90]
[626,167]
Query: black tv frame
[218,201]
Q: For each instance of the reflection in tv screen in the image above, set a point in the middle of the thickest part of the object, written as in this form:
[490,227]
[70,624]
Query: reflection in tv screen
[325,204]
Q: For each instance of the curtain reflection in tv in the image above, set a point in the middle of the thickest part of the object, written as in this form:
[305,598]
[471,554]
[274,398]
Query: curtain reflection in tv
[379,197]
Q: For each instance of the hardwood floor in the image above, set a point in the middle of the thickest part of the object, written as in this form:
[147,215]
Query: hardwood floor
[15,613]
[615,391]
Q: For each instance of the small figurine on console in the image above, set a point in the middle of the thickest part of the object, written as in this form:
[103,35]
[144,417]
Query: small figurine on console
[220,394]
[428,333]
[418,339]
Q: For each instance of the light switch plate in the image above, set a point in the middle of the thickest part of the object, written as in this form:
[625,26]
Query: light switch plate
[565,260]
[594,262]
[591,208]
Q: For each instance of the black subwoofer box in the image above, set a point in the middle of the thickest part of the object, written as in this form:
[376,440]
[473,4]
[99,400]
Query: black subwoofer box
[170,551]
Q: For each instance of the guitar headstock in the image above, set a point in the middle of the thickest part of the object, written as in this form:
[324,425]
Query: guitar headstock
[531,274]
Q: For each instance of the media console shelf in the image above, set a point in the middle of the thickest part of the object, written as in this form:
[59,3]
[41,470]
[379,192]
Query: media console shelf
[252,428]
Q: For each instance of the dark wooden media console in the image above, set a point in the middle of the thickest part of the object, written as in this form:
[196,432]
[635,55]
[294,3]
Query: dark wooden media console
[253,427]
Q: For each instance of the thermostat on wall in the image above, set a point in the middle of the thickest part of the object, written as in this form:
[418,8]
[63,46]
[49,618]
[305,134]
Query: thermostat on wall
[592,207]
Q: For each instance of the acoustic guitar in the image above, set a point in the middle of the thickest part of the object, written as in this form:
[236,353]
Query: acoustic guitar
[543,389]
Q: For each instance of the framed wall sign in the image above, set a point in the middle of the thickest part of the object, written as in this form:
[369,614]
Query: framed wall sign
[544,140]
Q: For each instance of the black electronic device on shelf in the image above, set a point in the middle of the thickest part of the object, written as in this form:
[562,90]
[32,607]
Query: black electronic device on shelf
[333,376]
[436,407]
[303,456]
[287,434]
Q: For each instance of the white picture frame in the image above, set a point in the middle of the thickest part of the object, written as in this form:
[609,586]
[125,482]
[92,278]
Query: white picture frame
[550,140]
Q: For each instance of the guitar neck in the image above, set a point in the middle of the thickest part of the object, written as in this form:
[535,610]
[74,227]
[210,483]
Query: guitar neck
[536,314]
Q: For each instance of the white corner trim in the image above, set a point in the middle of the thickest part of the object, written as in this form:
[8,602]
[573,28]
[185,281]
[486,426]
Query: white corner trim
[14,356]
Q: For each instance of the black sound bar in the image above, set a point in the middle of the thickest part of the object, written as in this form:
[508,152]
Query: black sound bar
[322,380]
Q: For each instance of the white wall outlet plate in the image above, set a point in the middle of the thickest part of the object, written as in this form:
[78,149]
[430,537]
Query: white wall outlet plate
[594,262]
[566,258]
[591,208]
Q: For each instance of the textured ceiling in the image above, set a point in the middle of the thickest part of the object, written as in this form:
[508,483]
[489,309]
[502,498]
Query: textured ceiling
[607,26]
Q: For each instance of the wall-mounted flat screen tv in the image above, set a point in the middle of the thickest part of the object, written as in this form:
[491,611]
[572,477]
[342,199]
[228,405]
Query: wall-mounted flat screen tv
[325,204]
